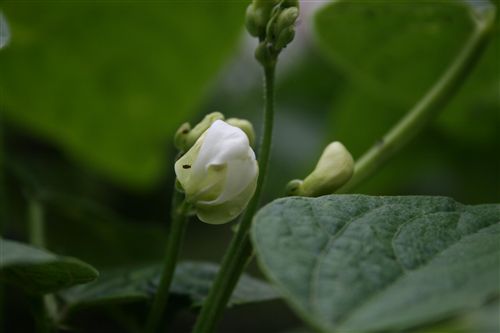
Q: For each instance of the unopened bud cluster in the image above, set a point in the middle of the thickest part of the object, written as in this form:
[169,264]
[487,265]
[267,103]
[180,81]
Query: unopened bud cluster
[273,22]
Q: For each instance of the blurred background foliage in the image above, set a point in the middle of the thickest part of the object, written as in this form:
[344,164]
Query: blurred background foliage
[91,94]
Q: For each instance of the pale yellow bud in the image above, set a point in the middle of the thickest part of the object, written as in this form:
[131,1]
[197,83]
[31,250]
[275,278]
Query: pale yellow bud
[335,167]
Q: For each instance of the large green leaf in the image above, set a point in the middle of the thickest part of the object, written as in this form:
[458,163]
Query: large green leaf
[361,263]
[191,279]
[110,82]
[397,49]
[39,271]
[394,52]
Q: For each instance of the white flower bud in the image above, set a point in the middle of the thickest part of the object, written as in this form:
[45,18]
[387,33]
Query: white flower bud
[219,173]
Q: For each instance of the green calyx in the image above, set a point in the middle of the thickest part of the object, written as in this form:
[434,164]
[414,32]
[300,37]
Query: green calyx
[273,22]
[245,126]
[186,137]
[335,167]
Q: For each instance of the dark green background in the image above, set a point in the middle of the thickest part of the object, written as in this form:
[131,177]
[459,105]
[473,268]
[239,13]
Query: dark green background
[91,94]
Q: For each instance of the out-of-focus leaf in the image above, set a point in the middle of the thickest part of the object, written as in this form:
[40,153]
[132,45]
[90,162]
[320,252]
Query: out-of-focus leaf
[111,82]
[396,49]
[191,279]
[474,114]
[39,271]
[393,52]
[361,263]
[435,162]
[115,240]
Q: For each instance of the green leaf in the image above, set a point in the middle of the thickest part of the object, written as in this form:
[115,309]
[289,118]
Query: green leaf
[39,271]
[361,263]
[116,240]
[477,102]
[110,82]
[397,49]
[392,53]
[395,52]
[484,319]
[191,279]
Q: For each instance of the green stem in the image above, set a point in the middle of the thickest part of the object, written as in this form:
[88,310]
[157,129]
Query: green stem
[36,223]
[3,183]
[426,109]
[3,212]
[42,322]
[180,209]
[45,307]
[240,249]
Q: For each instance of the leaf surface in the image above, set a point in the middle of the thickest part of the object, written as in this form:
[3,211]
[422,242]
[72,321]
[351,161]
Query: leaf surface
[361,263]
[111,82]
[191,279]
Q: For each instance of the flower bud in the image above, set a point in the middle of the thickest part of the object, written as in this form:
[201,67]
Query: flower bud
[245,126]
[335,167]
[283,27]
[219,173]
[257,16]
[263,54]
[284,38]
[252,22]
[286,19]
[185,137]
[273,22]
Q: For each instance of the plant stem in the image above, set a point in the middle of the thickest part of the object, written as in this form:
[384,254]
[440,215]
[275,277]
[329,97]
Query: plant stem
[3,183]
[45,306]
[3,213]
[36,223]
[240,249]
[426,108]
[175,238]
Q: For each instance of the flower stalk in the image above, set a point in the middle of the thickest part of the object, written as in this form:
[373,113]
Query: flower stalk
[177,230]
[240,249]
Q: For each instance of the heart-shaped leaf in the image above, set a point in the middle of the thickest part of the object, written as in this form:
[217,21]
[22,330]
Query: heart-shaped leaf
[39,271]
[191,279]
[361,263]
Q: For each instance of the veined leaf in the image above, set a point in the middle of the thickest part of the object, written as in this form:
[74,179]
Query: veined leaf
[191,279]
[360,263]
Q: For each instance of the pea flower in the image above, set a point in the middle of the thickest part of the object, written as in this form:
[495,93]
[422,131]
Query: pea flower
[218,173]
